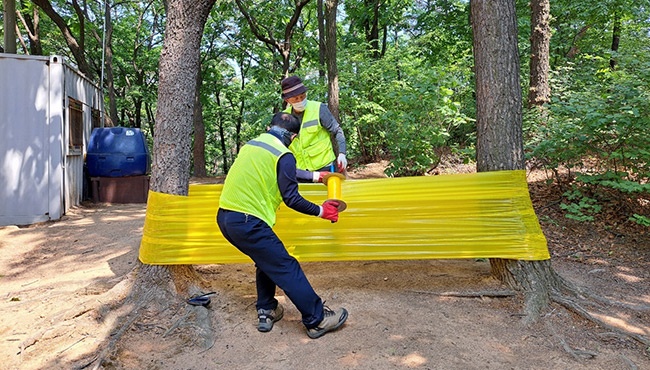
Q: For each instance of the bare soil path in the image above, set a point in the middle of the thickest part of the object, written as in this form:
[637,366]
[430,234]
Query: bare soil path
[61,302]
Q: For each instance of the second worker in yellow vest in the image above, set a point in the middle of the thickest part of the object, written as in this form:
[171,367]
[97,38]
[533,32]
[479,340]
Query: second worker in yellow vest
[313,148]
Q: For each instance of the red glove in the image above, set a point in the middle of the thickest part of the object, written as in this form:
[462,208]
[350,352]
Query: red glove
[318,176]
[330,210]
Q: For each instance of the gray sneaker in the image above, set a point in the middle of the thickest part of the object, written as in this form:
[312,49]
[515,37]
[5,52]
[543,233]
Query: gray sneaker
[268,317]
[332,320]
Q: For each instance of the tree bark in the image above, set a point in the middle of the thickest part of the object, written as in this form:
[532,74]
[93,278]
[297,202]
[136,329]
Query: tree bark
[198,148]
[9,26]
[616,38]
[32,25]
[110,80]
[499,131]
[321,40]
[179,65]
[332,70]
[498,91]
[539,92]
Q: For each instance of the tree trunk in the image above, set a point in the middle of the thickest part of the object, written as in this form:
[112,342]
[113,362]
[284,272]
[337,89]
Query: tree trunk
[539,92]
[9,26]
[32,25]
[321,40]
[332,70]
[110,78]
[179,64]
[198,148]
[616,38]
[499,131]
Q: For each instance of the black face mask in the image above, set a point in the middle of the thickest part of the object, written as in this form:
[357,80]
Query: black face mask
[283,134]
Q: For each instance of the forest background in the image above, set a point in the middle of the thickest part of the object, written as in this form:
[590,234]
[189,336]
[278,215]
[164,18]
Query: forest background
[404,80]
[400,78]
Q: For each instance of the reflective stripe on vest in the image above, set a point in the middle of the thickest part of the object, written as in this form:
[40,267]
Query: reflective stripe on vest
[251,186]
[313,146]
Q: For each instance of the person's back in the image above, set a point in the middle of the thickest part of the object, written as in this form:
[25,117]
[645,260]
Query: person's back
[251,185]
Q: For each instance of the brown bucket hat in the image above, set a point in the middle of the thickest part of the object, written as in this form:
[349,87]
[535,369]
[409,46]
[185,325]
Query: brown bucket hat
[292,86]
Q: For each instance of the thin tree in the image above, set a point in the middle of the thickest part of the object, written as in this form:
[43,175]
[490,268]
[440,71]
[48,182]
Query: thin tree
[9,26]
[330,48]
[266,34]
[76,43]
[32,27]
[539,92]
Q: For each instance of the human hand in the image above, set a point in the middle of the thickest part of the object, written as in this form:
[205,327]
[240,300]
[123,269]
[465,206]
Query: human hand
[319,176]
[342,162]
[330,210]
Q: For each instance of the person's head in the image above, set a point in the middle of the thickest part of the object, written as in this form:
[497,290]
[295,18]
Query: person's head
[294,92]
[286,125]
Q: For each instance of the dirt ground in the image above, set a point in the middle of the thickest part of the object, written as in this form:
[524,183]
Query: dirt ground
[63,301]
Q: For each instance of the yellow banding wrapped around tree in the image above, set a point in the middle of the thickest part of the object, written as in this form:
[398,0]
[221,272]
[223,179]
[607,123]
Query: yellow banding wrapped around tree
[479,215]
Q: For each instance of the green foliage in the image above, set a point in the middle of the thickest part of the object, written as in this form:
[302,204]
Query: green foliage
[580,207]
[641,220]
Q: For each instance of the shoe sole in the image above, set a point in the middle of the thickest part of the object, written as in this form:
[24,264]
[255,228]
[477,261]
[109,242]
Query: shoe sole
[265,330]
[319,334]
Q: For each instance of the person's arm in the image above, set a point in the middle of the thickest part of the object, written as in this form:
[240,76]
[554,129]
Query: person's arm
[304,175]
[288,186]
[330,123]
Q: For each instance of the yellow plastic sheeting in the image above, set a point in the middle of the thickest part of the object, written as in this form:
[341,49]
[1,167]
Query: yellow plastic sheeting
[480,215]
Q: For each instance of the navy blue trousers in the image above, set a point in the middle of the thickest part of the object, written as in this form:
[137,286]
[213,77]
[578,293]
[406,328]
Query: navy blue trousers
[274,265]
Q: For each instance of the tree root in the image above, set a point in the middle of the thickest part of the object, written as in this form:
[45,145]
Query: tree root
[576,308]
[541,285]
[577,354]
[480,294]
[151,287]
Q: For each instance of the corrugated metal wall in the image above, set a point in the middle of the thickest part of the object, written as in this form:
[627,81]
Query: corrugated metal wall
[40,178]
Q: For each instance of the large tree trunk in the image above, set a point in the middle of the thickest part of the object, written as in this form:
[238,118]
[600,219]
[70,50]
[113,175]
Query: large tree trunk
[152,286]
[332,70]
[499,131]
[179,65]
[539,92]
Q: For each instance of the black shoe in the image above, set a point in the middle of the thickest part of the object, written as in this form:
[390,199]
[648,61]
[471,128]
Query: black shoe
[332,320]
[268,317]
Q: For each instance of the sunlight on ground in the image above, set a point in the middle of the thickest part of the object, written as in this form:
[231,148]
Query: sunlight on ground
[413,360]
[623,324]
[629,278]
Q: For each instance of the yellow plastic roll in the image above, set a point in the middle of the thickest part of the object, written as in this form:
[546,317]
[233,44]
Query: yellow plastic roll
[480,215]
[334,181]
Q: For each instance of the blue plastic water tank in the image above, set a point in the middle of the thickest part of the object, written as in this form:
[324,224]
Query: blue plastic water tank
[117,152]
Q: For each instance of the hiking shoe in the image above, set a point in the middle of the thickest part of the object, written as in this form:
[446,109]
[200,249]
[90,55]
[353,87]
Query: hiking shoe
[268,317]
[332,320]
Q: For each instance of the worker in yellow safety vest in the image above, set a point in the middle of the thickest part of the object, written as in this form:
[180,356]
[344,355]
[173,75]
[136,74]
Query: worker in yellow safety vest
[313,148]
[263,176]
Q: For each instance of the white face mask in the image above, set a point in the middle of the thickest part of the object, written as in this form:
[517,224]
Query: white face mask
[300,106]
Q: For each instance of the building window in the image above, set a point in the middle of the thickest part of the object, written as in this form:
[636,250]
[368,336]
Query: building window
[75,110]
